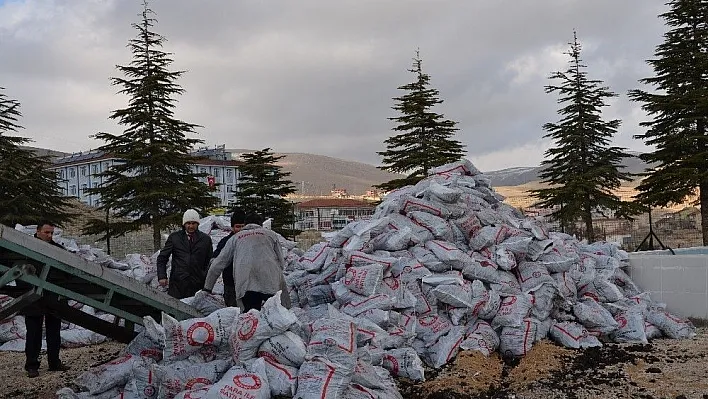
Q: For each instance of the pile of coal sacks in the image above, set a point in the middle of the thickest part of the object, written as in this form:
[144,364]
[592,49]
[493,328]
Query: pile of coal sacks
[441,266]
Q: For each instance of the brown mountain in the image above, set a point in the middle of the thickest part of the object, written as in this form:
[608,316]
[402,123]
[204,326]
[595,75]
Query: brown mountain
[318,174]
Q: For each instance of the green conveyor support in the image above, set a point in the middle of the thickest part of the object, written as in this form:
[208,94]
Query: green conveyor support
[46,268]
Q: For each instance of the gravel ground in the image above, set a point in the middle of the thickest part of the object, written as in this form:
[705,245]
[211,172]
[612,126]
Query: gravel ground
[665,368]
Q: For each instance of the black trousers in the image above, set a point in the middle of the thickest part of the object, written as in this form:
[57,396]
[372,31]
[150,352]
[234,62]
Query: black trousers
[254,300]
[33,345]
[229,288]
[181,289]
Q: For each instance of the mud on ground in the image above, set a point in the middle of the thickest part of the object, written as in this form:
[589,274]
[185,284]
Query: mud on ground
[662,369]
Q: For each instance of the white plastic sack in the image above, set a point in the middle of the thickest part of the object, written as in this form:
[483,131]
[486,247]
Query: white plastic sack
[517,341]
[112,374]
[443,351]
[512,311]
[12,328]
[593,316]
[173,380]
[205,303]
[630,327]
[481,337]
[334,339]
[364,280]
[281,379]
[286,348]
[322,379]
[251,329]
[671,325]
[404,362]
[79,336]
[183,338]
[239,383]
[143,345]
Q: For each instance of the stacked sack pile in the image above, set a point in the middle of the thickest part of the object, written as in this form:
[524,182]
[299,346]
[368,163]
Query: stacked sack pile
[442,266]
[227,354]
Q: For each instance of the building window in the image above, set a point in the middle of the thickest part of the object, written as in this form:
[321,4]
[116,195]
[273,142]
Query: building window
[105,165]
[63,174]
[229,188]
[83,188]
[229,172]
[95,185]
[94,169]
[202,170]
[216,172]
[83,171]
[72,172]
[72,189]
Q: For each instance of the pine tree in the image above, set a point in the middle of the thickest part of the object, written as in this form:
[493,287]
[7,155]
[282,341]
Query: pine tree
[425,140]
[263,187]
[679,112]
[155,184]
[583,169]
[29,190]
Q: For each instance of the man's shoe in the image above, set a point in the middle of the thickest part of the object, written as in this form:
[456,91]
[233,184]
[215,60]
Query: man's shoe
[32,373]
[59,367]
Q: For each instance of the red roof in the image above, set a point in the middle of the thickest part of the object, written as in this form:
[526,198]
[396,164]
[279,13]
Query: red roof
[335,203]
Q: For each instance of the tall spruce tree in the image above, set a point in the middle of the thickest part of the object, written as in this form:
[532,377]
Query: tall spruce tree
[155,183]
[679,111]
[29,191]
[263,187]
[583,169]
[426,138]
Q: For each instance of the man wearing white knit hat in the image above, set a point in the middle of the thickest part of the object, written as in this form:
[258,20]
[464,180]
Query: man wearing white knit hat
[191,251]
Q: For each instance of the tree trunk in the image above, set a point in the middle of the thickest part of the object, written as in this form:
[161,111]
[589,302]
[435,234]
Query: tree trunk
[587,217]
[156,237]
[703,200]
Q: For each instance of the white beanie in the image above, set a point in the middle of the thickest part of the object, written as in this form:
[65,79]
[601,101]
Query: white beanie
[190,216]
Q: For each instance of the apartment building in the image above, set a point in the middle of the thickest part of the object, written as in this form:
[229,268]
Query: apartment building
[326,214]
[80,171]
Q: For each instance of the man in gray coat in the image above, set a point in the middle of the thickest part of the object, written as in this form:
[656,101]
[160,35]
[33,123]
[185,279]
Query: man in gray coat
[258,263]
[191,252]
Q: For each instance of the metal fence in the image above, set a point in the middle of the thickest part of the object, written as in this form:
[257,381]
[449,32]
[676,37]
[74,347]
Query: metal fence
[672,229]
[135,242]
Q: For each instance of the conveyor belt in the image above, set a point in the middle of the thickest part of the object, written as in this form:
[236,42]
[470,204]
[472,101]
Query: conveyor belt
[43,268]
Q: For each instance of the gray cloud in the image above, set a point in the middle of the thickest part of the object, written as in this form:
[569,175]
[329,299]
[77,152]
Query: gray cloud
[318,76]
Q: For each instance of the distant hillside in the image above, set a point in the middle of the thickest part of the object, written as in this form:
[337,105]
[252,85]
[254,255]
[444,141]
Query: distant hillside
[523,175]
[513,176]
[318,174]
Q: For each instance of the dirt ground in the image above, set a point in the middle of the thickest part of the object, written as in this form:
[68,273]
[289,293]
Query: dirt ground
[675,369]
[662,369]
[15,384]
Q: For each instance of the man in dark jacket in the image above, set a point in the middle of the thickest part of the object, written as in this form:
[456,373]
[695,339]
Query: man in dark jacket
[191,251]
[36,315]
[237,223]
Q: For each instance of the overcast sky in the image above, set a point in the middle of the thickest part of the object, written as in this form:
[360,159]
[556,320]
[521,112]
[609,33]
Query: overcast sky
[318,76]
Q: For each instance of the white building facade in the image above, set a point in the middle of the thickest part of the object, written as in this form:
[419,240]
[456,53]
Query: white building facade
[80,171]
